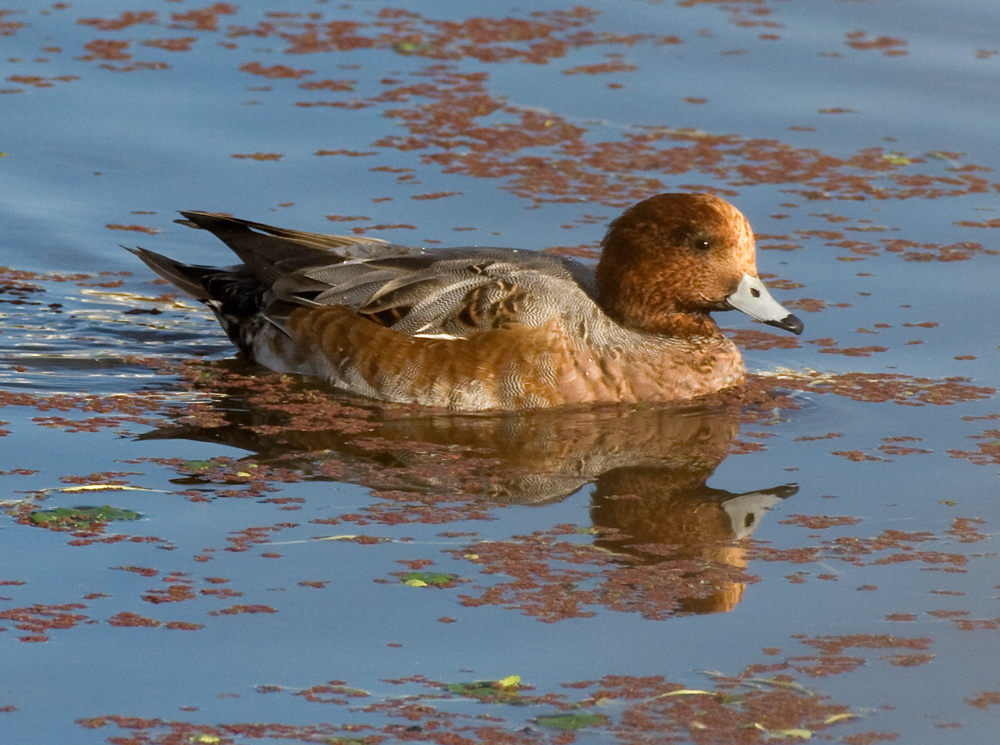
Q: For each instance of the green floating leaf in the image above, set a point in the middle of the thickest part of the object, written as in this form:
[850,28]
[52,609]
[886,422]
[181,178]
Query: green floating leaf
[199,465]
[81,517]
[413,48]
[496,691]
[423,579]
[567,722]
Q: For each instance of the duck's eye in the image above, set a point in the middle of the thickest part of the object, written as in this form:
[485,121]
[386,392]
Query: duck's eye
[700,243]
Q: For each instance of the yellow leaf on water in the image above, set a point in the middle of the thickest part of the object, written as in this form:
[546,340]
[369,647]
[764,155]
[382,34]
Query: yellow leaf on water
[897,159]
[415,583]
[686,692]
[510,681]
[100,487]
[781,733]
[839,717]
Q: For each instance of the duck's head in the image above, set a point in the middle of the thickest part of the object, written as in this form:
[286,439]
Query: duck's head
[672,259]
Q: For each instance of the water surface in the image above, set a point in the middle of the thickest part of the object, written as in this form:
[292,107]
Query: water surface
[816,558]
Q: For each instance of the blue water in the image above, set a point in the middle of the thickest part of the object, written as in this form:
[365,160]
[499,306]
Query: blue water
[131,147]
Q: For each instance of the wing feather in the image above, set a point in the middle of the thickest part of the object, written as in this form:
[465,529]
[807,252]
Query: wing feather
[448,292]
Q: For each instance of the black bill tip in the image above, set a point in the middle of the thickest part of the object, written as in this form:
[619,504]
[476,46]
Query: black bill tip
[789,323]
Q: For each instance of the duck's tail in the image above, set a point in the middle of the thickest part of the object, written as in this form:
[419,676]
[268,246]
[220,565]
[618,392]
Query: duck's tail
[187,277]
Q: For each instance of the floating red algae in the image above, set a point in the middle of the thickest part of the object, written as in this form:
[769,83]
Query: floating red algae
[828,436]
[349,154]
[966,530]
[914,251]
[857,456]
[888,547]
[221,592]
[892,447]
[328,85]
[173,594]
[183,626]
[106,50]
[820,522]
[259,156]
[435,195]
[142,571]
[126,619]
[831,659]
[984,700]
[239,609]
[874,387]
[548,578]
[203,19]
[37,81]
[615,173]
[125,20]
[274,72]
[484,39]
[133,228]
[755,339]
[588,172]
[242,540]
[39,619]
[230,472]
[738,709]
[333,692]
[9,28]
[983,224]
[987,452]
[839,644]
[604,67]
[886,44]
[383,226]
[985,624]
[179,44]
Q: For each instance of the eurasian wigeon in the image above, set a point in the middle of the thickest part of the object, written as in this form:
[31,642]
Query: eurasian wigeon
[475,329]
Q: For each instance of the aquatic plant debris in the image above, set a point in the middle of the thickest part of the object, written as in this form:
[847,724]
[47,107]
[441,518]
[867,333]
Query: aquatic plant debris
[822,541]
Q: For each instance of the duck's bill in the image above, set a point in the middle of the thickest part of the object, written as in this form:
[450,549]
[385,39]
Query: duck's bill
[752,298]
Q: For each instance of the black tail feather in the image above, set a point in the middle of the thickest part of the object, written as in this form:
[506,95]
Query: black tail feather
[187,277]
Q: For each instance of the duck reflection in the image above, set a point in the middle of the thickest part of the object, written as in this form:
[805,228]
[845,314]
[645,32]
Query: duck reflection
[649,466]
[667,513]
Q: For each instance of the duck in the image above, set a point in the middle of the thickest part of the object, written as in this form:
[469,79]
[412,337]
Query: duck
[482,329]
